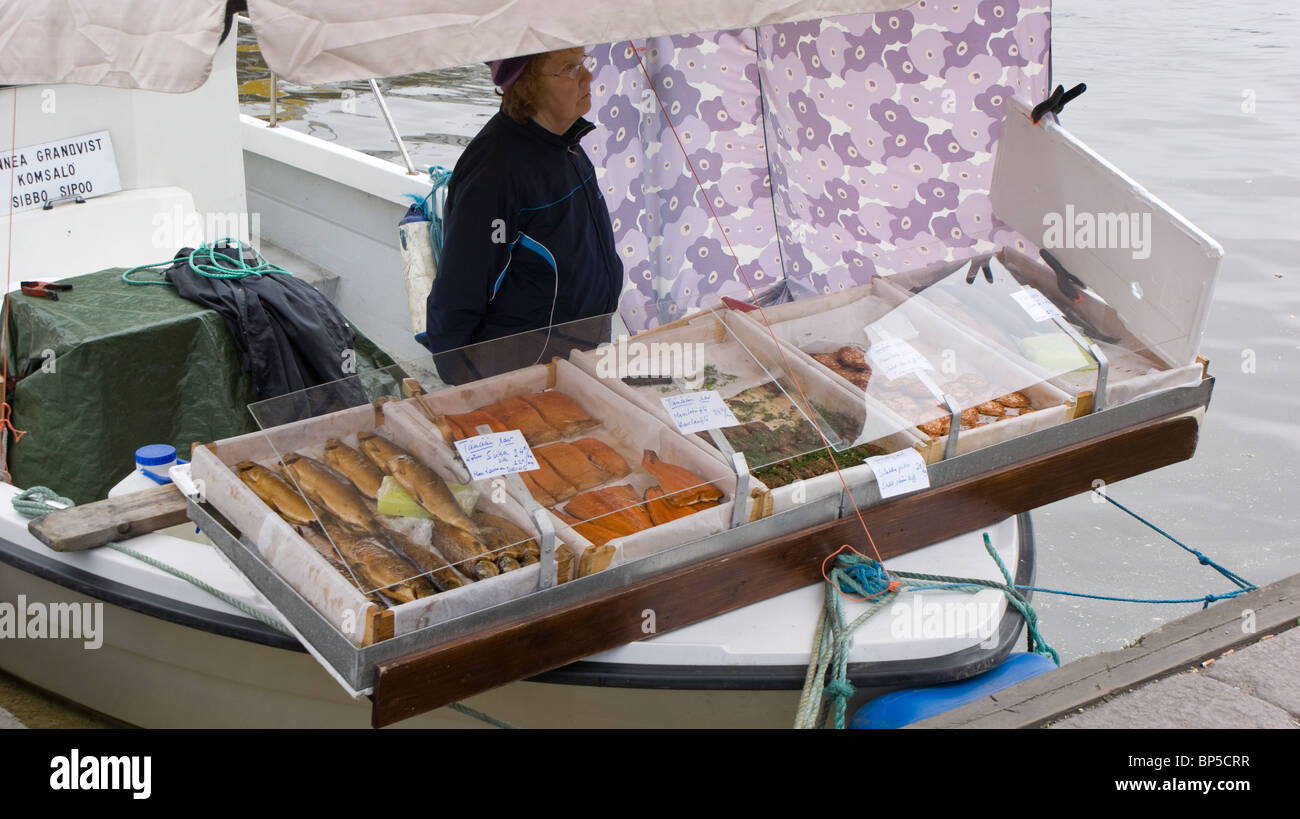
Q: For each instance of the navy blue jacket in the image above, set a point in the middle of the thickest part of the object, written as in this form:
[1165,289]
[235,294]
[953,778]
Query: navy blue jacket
[549,260]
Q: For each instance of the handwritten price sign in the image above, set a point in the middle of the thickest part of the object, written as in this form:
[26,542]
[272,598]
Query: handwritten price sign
[695,411]
[1036,304]
[896,358]
[899,473]
[498,453]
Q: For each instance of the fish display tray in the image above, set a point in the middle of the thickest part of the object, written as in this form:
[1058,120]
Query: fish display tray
[448,661]
[744,355]
[339,602]
[825,324]
[1133,371]
[627,428]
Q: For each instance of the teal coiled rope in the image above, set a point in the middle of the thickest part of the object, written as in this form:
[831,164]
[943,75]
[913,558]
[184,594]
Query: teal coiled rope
[41,500]
[857,576]
[860,576]
[206,261]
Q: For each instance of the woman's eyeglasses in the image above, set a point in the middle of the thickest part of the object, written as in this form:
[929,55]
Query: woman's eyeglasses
[575,70]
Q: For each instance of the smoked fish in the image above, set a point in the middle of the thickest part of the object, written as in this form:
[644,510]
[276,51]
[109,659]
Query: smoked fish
[681,486]
[275,492]
[354,466]
[561,412]
[330,491]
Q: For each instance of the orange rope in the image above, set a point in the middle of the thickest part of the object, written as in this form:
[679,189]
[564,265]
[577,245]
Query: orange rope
[5,410]
[810,414]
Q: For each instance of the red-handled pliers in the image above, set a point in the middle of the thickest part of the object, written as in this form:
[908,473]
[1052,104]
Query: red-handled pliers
[43,290]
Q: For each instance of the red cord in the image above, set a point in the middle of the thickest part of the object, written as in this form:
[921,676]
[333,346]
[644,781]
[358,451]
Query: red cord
[5,410]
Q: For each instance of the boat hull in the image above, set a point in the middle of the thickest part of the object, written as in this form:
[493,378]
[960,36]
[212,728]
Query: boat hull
[165,663]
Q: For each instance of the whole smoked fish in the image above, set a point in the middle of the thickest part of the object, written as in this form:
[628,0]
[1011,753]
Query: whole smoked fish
[330,491]
[354,466]
[377,565]
[275,492]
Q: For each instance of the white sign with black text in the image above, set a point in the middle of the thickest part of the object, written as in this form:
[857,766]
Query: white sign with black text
[496,453]
[899,472]
[64,169]
[1036,304]
[696,411]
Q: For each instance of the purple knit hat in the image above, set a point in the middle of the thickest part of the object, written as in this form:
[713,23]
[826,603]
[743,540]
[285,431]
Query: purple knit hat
[505,72]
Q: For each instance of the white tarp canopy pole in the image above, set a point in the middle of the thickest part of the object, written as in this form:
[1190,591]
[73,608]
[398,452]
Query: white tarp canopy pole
[169,46]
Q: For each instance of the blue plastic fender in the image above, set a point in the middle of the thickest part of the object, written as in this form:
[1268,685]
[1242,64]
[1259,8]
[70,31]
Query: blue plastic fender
[915,704]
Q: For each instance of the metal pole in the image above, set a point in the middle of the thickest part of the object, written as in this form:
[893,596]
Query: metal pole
[392,128]
[274,97]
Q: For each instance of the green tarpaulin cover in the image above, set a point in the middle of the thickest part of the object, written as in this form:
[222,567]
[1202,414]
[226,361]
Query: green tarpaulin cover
[110,367]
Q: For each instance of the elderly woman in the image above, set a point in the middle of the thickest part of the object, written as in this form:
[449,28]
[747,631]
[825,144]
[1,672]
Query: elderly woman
[527,241]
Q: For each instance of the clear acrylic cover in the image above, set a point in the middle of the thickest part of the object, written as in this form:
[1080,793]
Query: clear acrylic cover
[914,364]
[409,499]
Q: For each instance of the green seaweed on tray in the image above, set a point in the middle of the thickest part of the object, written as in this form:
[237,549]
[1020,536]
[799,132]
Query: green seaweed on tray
[813,464]
[714,379]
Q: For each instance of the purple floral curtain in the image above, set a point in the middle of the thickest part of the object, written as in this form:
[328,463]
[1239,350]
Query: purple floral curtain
[820,153]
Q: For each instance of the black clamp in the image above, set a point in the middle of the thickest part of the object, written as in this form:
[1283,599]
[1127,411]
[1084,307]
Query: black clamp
[975,267]
[1056,101]
[1069,284]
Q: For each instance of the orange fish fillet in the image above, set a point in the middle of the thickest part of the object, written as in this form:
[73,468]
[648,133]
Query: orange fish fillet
[617,508]
[561,412]
[549,482]
[597,534]
[603,455]
[516,413]
[681,486]
[660,510]
[465,424]
[572,465]
[535,489]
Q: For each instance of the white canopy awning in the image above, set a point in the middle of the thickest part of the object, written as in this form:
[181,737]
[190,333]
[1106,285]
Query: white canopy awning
[119,43]
[169,46]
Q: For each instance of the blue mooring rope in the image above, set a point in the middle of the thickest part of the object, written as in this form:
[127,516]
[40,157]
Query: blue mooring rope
[858,576]
[1244,584]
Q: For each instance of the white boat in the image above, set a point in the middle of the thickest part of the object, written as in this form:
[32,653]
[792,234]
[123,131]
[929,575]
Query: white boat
[173,655]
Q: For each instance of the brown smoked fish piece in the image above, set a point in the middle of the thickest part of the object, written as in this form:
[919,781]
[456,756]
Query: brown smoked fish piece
[681,486]
[516,413]
[467,423]
[616,508]
[550,482]
[603,455]
[572,465]
[561,412]
[660,510]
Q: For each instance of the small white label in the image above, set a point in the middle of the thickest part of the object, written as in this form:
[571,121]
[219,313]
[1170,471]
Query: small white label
[76,166]
[1036,304]
[694,411]
[900,472]
[497,453]
[896,358]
